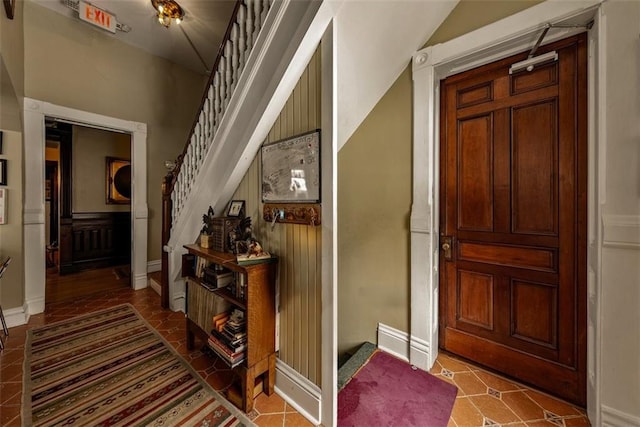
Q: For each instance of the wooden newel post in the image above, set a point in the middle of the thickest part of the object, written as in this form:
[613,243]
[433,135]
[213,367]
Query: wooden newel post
[167,187]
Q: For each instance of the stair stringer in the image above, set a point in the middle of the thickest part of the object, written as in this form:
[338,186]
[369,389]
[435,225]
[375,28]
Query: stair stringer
[282,50]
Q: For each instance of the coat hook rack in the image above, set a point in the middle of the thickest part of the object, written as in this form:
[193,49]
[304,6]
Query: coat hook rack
[292,213]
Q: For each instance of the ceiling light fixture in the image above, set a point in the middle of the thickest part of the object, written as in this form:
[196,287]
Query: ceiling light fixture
[167,11]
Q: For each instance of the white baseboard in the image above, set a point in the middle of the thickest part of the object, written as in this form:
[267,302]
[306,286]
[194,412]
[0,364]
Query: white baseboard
[16,316]
[298,392]
[140,281]
[614,418]
[393,341]
[178,303]
[155,286]
[153,266]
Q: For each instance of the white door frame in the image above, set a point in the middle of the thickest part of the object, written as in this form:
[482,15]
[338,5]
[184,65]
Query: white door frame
[35,112]
[506,37]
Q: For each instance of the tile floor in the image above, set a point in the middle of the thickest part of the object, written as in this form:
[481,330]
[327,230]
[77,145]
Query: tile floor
[486,399]
[483,399]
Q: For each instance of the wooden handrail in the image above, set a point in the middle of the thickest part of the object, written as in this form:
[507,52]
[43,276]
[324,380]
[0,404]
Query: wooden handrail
[227,36]
[169,180]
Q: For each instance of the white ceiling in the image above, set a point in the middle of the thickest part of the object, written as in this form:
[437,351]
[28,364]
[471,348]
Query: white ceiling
[205,23]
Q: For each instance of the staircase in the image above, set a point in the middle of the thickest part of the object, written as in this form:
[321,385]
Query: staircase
[261,40]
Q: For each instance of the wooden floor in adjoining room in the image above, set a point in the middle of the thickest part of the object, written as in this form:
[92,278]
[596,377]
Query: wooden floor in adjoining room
[83,283]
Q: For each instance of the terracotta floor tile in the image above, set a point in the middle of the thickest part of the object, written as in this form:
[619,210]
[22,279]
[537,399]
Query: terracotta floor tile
[523,406]
[542,423]
[436,368]
[270,420]
[469,383]
[577,422]
[452,423]
[10,415]
[555,406]
[273,404]
[452,364]
[497,382]
[288,408]
[465,414]
[296,420]
[494,409]
[450,381]
[10,392]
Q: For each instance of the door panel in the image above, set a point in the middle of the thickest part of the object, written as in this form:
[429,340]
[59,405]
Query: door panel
[513,201]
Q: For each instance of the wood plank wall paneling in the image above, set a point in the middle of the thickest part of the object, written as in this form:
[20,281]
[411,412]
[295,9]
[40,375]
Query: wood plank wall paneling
[95,240]
[298,246]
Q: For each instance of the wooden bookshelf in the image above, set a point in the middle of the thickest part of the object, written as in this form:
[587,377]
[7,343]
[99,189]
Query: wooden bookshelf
[258,305]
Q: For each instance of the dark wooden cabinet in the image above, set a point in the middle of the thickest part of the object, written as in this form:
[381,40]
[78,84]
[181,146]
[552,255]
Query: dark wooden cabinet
[256,300]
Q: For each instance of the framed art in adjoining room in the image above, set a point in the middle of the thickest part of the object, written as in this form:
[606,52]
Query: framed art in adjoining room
[3,171]
[118,181]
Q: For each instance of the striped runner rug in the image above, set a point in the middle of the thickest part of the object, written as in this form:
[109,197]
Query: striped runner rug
[111,368]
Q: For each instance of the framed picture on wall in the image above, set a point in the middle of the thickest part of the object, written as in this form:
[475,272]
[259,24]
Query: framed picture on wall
[291,170]
[118,181]
[3,171]
[236,209]
[9,7]
[3,205]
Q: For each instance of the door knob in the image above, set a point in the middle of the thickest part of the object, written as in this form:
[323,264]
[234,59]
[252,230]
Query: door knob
[447,244]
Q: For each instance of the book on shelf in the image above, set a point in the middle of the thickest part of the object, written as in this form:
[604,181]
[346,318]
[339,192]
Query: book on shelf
[247,259]
[217,278]
[233,358]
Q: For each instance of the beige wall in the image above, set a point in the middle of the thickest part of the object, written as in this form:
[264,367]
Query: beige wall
[374,197]
[71,64]
[299,247]
[11,293]
[11,91]
[12,47]
[90,149]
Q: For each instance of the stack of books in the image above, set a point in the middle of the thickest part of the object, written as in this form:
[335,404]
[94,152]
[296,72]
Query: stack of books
[228,337]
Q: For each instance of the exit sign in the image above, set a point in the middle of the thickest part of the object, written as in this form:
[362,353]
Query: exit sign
[96,16]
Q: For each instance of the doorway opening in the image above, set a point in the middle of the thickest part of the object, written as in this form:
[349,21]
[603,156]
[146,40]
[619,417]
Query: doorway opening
[87,210]
[36,114]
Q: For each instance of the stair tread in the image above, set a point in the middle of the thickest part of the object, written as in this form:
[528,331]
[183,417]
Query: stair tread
[354,363]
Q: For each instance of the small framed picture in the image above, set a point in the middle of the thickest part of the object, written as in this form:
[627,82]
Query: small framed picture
[3,171]
[236,209]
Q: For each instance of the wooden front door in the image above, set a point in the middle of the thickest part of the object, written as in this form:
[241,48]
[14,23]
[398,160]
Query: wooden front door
[513,189]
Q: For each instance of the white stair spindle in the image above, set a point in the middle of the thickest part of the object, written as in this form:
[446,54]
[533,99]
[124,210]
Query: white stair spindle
[211,114]
[249,25]
[257,23]
[242,36]
[235,53]
[223,85]
[216,101]
[228,72]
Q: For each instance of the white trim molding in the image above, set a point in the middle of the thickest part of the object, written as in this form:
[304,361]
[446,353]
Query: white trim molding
[511,35]
[614,418]
[35,112]
[393,341]
[153,266]
[16,316]
[621,231]
[298,392]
